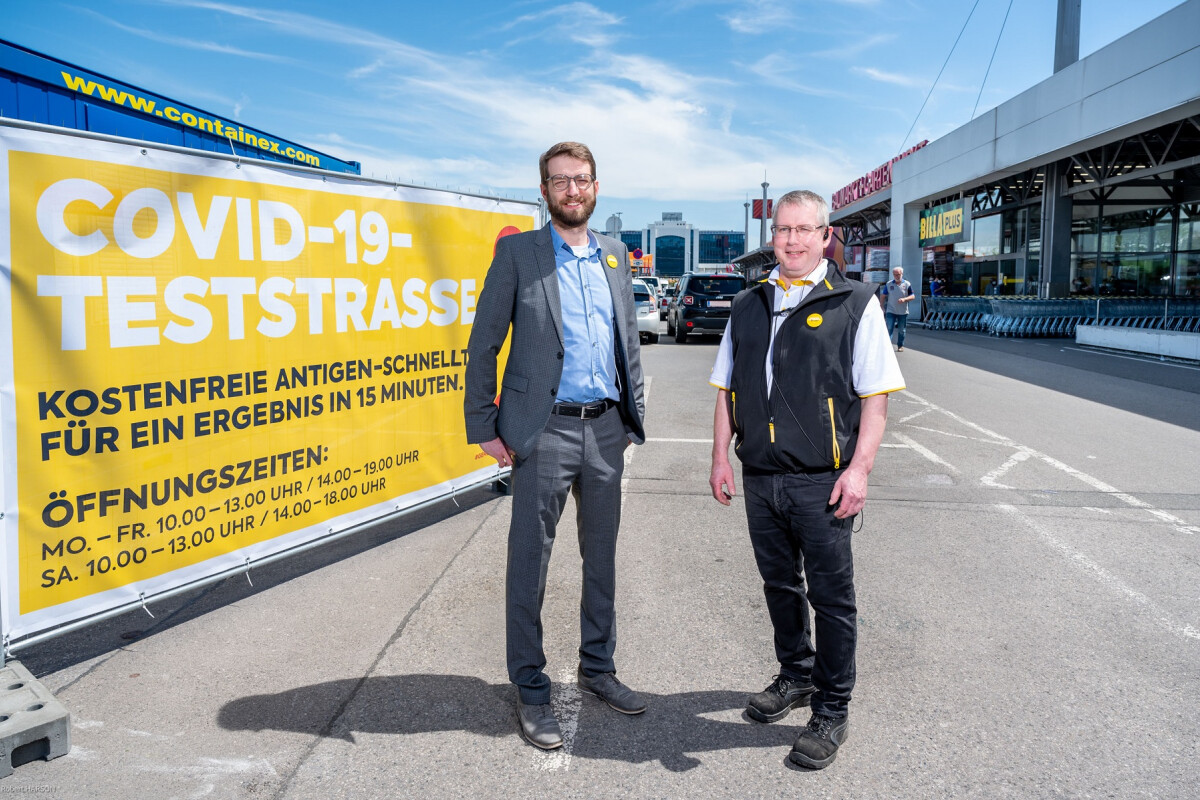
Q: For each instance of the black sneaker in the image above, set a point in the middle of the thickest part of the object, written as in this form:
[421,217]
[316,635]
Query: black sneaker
[818,743]
[774,702]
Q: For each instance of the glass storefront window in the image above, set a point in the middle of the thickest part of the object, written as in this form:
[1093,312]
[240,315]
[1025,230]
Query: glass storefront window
[1012,276]
[986,236]
[1136,232]
[1033,261]
[988,281]
[960,283]
[1083,235]
[1135,275]
[1032,265]
[1189,227]
[1187,282]
[1013,234]
[1162,234]
[1115,251]
[1083,274]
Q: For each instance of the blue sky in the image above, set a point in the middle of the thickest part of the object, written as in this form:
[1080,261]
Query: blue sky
[685,103]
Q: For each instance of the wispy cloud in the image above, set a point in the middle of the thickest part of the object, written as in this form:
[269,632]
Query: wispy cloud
[854,46]
[582,23]
[760,16]
[892,77]
[309,27]
[911,81]
[648,122]
[782,71]
[183,41]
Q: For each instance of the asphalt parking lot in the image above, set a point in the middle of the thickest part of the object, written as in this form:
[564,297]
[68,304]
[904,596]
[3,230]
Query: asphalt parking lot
[1027,570]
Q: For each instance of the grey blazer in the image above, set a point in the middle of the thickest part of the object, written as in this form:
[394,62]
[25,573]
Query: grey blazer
[521,289]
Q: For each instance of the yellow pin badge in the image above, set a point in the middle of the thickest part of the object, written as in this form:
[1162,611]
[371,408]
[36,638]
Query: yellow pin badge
[814,320]
[612,262]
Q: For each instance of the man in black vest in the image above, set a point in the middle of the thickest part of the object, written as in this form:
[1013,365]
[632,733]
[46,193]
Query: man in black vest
[803,374]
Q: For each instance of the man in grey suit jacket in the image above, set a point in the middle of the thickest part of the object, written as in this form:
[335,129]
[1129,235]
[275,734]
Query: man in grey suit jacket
[570,403]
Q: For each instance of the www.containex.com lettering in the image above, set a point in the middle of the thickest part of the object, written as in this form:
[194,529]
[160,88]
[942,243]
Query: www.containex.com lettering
[218,127]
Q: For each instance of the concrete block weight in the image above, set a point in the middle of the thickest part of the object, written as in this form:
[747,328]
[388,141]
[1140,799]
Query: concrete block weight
[33,724]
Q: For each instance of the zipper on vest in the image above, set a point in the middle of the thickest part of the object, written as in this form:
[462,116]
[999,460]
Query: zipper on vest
[771,425]
[837,451]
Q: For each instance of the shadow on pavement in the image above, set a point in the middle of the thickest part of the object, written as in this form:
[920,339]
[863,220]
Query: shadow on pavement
[1058,364]
[672,729]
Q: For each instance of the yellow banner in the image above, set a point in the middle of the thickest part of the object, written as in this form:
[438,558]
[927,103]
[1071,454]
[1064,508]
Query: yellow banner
[208,357]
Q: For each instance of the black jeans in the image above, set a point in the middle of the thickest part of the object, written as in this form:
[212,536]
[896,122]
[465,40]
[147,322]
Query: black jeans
[797,539]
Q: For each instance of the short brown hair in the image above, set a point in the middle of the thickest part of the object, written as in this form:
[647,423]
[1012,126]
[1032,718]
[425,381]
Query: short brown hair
[572,149]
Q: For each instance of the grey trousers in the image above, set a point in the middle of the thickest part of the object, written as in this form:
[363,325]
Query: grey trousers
[585,457]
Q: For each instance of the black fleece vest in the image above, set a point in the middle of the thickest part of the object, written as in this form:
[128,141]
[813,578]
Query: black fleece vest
[809,423]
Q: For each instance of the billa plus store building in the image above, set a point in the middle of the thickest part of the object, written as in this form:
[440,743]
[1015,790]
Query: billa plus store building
[1087,184]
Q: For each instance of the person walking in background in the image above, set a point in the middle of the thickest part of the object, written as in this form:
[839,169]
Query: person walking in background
[803,373]
[571,403]
[897,294]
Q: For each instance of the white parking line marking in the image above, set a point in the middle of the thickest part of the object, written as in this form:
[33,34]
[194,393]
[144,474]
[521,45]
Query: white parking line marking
[683,441]
[911,417]
[566,700]
[1099,573]
[955,435]
[926,452]
[1180,525]
[991,479]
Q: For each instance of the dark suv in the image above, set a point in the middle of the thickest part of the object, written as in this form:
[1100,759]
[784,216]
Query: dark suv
[701,303]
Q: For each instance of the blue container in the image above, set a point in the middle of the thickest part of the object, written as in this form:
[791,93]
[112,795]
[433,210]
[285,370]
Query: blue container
[37,88]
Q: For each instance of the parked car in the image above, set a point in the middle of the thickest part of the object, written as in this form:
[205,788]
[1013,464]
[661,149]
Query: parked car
[656,285]
[647,319]
[701,303]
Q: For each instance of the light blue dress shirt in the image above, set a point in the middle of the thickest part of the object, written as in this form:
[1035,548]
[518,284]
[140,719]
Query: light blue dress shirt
[589,362]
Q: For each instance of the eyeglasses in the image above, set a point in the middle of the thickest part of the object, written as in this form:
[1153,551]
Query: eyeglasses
[784,231]
[559,182]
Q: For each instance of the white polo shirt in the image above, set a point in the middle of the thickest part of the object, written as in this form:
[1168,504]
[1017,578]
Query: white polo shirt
[873,367]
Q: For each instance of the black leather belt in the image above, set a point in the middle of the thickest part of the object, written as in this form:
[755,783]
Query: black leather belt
[585,410]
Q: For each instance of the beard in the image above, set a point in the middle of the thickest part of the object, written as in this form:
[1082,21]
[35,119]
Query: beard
[572,217]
